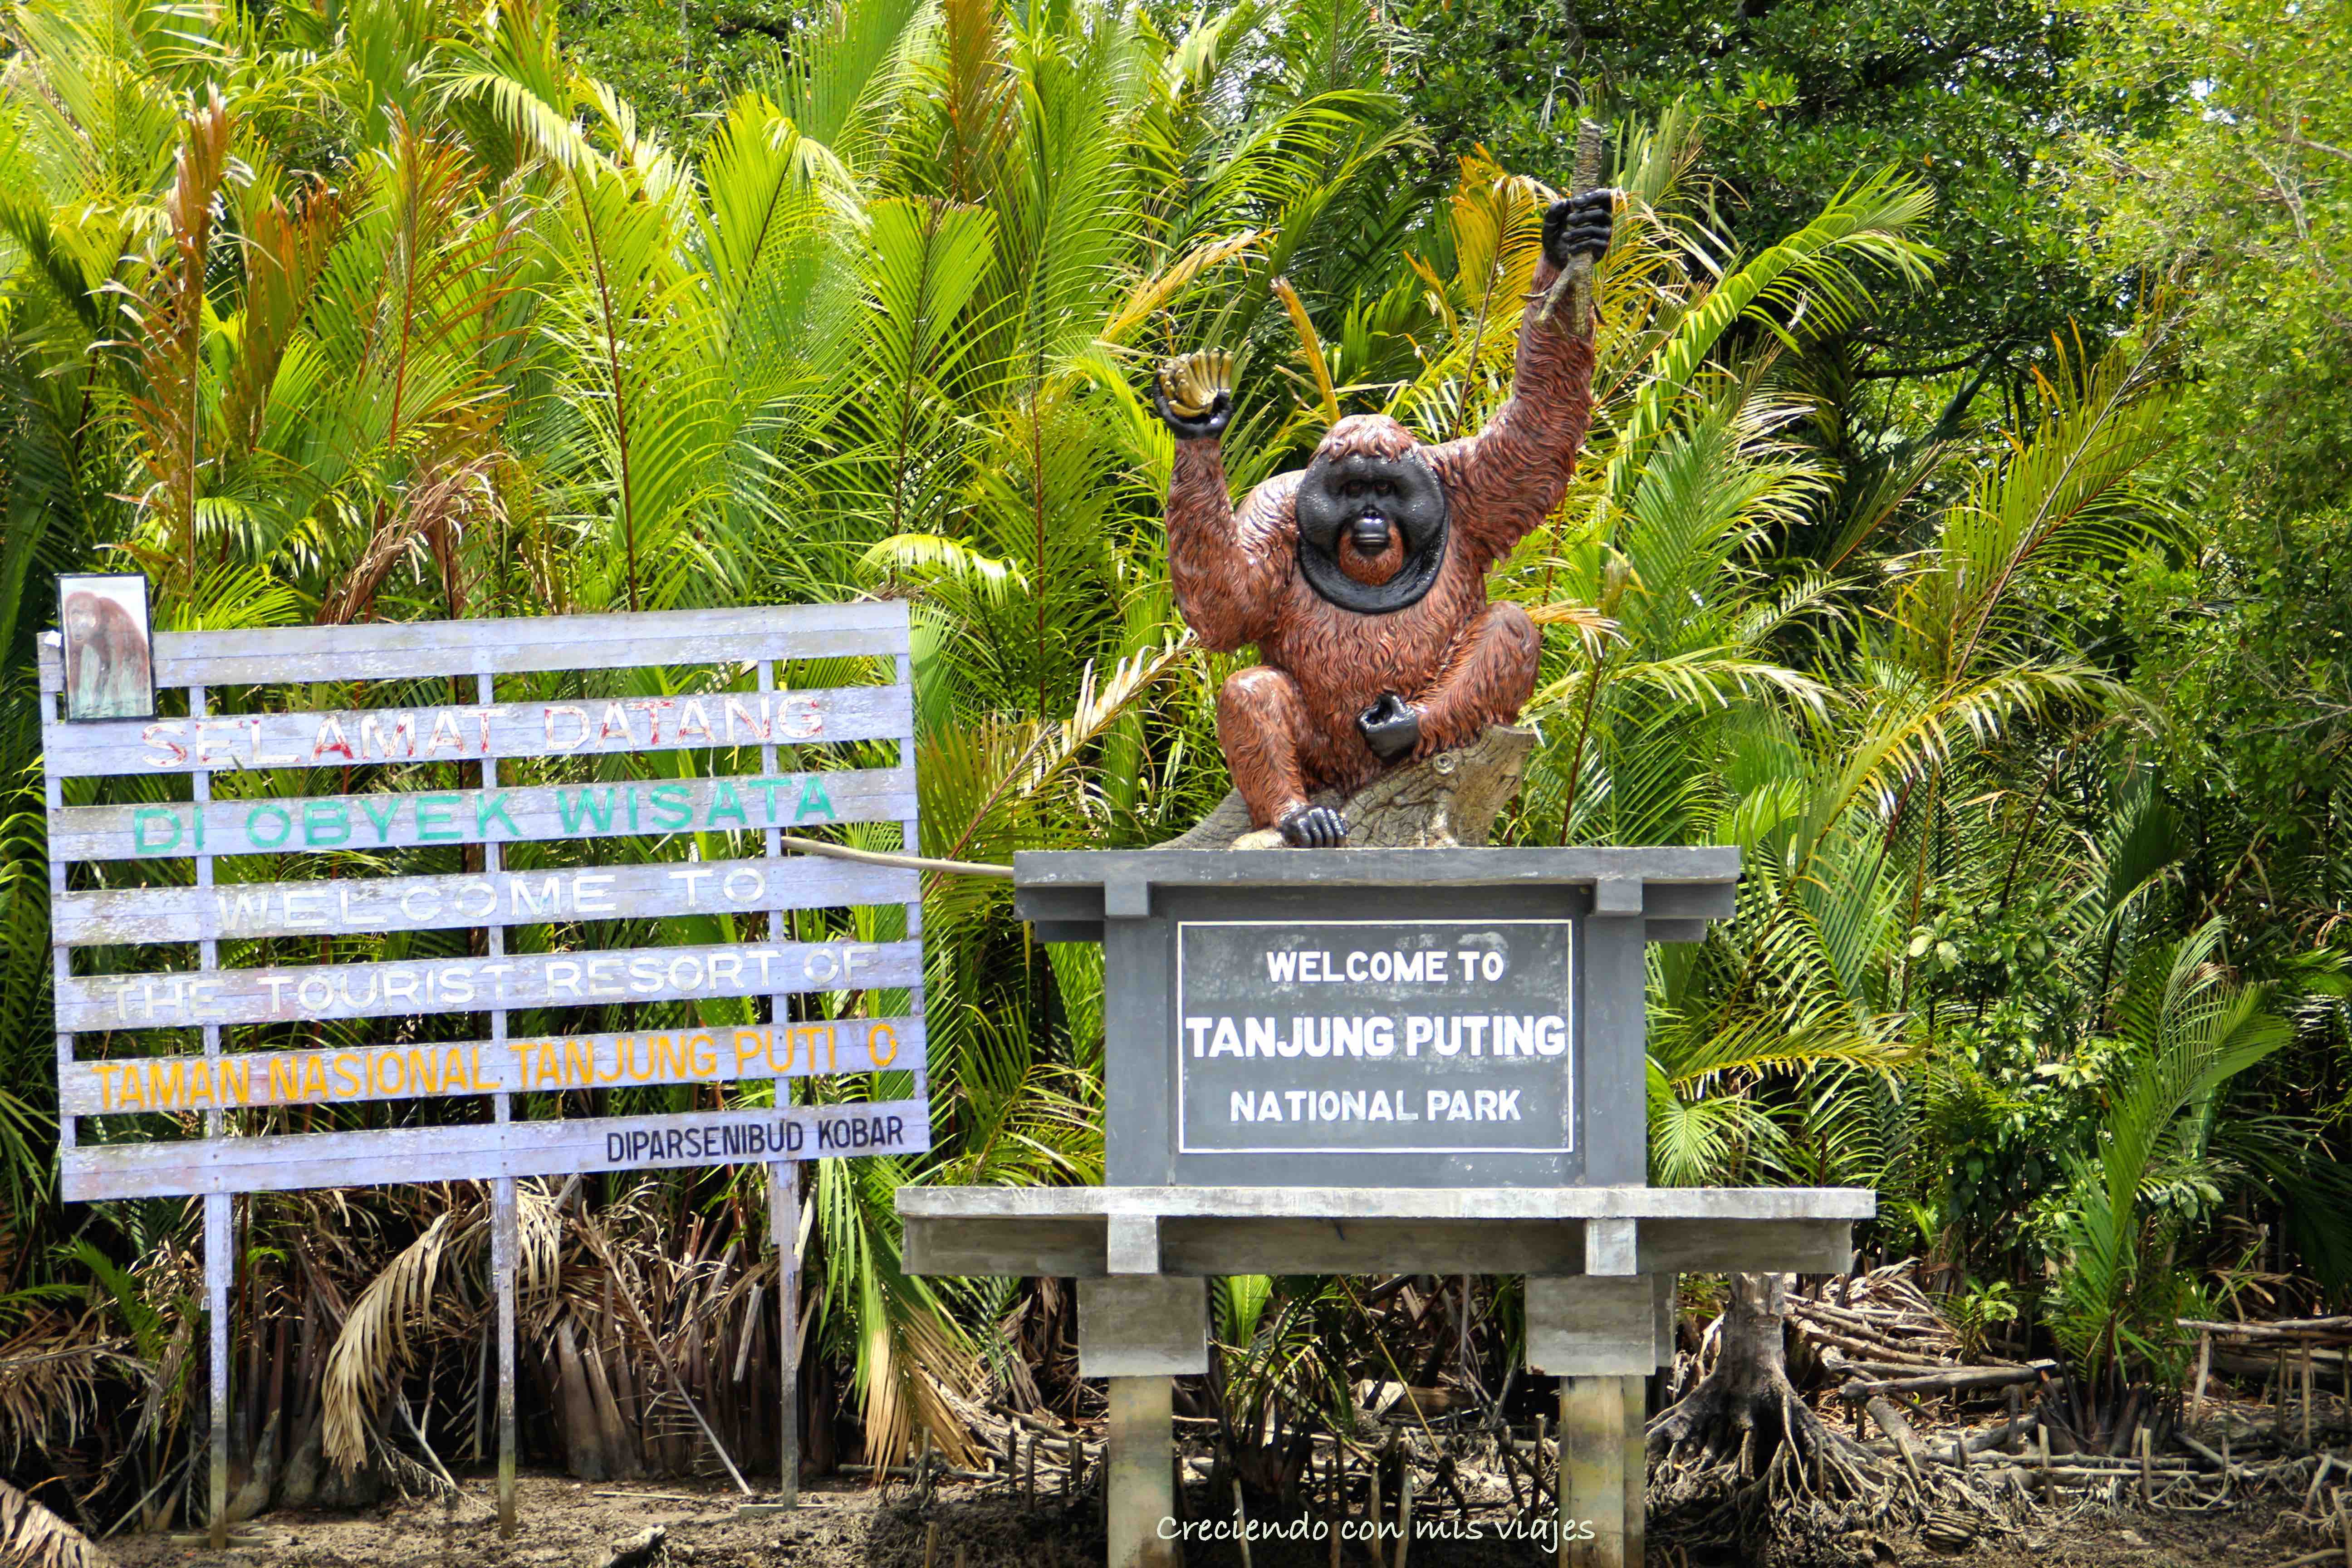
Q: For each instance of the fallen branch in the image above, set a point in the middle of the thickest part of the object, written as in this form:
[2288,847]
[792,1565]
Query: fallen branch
[1955,1382]
[1906,1442]
[594,1234]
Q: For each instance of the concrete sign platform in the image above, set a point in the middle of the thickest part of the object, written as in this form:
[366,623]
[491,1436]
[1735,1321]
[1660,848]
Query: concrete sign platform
[1379,1061]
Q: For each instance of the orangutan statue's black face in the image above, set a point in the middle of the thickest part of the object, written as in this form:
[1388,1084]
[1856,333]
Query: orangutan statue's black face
[1372,501]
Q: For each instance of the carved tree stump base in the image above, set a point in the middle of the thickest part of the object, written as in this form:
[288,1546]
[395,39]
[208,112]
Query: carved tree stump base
[1444,802]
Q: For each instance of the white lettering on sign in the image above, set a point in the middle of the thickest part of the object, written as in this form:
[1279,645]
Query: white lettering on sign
[382,990]
[652,723]
[480,1150]
[1524,1036]
[1375,1036]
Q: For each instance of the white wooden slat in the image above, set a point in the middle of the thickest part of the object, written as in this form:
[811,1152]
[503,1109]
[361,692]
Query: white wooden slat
[539,1064]
[419,649]
[472,731]
[483,1151]
[378,990]
[345,906]
[389,819]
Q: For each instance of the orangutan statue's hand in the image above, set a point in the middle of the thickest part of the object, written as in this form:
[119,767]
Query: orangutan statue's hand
[1579,225]
[1195,394]
[1391,727]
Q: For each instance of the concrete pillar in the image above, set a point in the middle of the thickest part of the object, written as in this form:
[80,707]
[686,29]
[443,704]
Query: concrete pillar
[1136,1331]
[1592,1471]
[1142,1480]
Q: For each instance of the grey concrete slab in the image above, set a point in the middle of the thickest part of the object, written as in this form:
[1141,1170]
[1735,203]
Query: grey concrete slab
[1131,1244]
[1077,1247]
[1484,867]
[1722,1243]
[1610,1245]
[1730,1204]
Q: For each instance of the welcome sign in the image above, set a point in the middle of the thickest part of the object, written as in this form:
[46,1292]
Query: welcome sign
[653,765]
[1348,1036]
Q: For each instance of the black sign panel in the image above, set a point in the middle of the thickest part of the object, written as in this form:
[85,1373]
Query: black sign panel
[1436,1037]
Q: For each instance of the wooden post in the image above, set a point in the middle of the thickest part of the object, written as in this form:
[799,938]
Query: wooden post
[1637,1465]
[220,1268]
[506,1231]
[505,1242]
[784,1225]
[1592,1471]
[220,1256]
[2307,1396]
[1140,1457]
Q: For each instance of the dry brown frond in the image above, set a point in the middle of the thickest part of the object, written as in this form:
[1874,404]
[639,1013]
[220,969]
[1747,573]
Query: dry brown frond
[374,1346]
[49,1376]
[32,1537]
[433,515]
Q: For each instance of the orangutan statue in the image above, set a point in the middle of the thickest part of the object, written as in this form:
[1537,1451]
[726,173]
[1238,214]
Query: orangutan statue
[1362,578]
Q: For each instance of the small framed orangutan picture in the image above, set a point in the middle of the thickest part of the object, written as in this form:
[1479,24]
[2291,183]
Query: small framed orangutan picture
[108,652]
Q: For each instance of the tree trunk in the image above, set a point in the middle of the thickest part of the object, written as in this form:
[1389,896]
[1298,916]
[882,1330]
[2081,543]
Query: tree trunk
[1746,1408]
[1746,1450]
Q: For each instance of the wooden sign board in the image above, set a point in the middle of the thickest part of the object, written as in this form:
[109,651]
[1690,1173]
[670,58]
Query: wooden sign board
[1403,1036]
[311,834]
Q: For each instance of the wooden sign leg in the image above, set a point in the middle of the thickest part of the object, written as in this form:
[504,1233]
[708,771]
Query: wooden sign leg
[784,1225]
[1637,1466]
[1592,1471]
[1141,1486]
[505,1242]
[220,1268]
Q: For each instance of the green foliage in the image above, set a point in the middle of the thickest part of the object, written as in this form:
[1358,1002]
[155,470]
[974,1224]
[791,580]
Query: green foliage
[2185,1031]
[398,310]
[2239,193]
[1967,95]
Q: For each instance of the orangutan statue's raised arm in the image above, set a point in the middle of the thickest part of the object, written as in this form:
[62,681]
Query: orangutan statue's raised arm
[1506,479]
[1227,571]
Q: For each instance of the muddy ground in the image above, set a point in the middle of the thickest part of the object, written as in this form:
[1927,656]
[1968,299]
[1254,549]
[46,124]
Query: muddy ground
[567,1525]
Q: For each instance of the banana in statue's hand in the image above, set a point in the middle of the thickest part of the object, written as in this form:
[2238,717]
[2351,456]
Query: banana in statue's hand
[1195,394]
